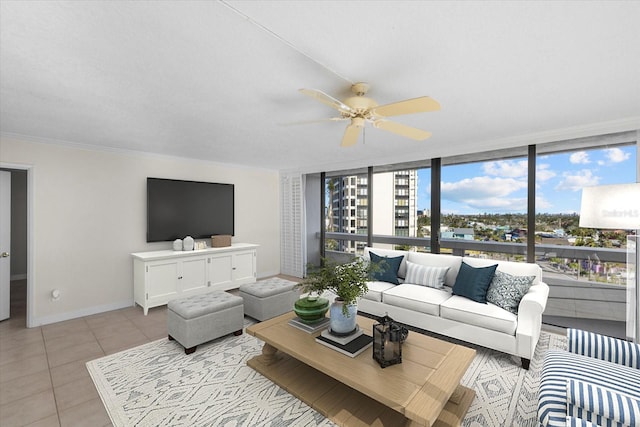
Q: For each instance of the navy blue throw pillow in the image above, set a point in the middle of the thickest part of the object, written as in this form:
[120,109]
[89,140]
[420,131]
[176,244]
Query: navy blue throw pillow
[386,269]
[473,282]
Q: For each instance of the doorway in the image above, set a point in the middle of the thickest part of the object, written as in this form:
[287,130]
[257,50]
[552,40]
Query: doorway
[18,255]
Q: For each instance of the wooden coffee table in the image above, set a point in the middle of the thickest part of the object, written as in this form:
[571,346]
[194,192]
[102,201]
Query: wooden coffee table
[424,390]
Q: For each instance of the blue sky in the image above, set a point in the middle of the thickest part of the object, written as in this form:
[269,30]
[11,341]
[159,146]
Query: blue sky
[501,186]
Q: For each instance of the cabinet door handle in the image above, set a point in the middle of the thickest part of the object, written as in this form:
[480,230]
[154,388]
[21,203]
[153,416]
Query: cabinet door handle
[179,277]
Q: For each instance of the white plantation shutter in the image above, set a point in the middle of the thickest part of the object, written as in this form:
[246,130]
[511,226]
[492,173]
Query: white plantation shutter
[292,237]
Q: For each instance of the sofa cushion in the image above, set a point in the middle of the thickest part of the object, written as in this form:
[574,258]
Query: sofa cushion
[601,405]
[577,422]
[560,366]
[376,289]
[425,275]
[506,290]
[473,282]
[486,316]
[438,260]
[402,271]
[386,268]
[417,298]
[603,347]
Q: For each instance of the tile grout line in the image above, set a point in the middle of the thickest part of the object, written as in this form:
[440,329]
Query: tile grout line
[53,391]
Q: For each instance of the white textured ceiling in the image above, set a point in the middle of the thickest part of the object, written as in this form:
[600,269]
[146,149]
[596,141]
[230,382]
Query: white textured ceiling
[219,80]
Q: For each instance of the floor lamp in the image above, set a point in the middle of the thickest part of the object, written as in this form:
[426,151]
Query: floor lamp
[618,207]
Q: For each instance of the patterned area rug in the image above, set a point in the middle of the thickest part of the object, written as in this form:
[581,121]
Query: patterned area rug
[156,384]
[506,394]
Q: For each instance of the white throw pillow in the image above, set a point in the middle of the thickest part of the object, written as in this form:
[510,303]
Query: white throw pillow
[425,275]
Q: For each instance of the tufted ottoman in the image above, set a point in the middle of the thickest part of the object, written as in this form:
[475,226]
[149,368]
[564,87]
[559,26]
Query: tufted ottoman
[269,298]
[201,318]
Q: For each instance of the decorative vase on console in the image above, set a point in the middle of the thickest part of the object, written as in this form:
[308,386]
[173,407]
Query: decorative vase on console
[348,282]
[177,245]
[187,243]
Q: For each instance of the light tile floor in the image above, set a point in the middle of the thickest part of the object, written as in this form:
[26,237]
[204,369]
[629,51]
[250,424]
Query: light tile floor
[43,377]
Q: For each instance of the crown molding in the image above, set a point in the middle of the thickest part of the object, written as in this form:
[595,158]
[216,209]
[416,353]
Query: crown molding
[122,151]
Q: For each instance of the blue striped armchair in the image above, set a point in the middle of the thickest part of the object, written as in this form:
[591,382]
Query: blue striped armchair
[596,382]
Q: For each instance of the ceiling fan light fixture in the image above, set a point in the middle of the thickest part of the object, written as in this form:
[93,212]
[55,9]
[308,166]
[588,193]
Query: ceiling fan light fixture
[360,104]
[358,121]
[361,109]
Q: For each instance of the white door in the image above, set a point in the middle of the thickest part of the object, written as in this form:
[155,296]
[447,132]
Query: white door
[5,242]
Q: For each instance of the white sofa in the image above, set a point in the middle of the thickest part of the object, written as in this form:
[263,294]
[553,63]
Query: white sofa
[439,311]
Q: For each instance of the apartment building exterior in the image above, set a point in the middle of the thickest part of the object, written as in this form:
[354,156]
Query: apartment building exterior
[394,200]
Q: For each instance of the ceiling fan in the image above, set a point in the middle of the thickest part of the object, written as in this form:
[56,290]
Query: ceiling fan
[359,110]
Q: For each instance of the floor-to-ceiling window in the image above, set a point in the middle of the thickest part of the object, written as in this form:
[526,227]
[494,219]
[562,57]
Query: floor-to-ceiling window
[585,266]
[559,183]
[345,211]
[485,201]
[401,206]
[485,209]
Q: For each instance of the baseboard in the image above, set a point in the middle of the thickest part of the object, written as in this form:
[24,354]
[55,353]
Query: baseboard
[18,277]
[264,275]
[61,317]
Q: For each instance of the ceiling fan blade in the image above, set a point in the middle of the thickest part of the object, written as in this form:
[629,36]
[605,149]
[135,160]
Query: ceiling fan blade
[422,104]
[400,129]
[326,99]
[351,135]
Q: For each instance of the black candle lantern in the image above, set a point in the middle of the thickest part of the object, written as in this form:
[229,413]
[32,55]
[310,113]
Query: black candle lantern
[387,342]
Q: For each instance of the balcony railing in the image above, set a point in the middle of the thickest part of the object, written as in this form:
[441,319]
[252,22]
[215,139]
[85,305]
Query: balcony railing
[576,294]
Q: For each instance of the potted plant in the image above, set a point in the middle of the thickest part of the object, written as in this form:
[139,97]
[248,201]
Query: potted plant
[348,282]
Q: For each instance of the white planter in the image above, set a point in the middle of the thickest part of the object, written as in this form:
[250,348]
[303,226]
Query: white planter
[339,323]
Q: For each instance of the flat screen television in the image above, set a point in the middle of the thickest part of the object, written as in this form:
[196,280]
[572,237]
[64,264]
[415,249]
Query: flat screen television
[176,209]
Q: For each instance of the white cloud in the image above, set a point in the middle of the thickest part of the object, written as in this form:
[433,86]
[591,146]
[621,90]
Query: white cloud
[542,203]
[498,204]
[506,168]
[616,155]
[543,173]
[575,181]
[517,169]
[579,158]
[482,186]
[486,193]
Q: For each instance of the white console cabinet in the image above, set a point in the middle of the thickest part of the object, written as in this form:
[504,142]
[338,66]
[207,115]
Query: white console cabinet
[160,276]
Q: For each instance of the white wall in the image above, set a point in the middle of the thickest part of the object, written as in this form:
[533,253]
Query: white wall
[90,215]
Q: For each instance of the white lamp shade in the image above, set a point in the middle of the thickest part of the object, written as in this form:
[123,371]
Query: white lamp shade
[611,206]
